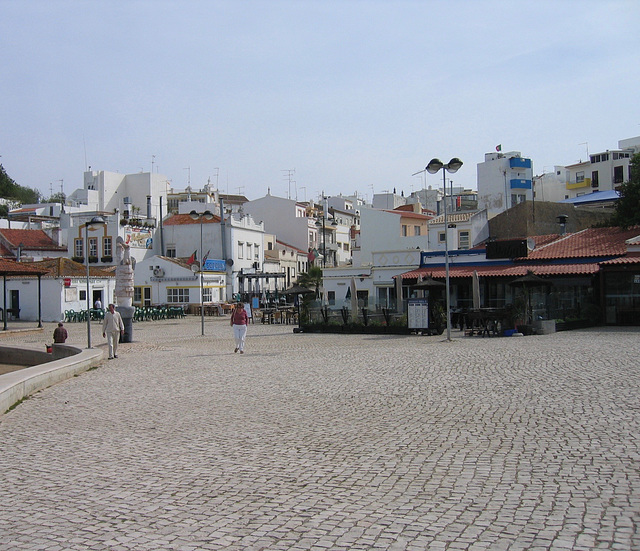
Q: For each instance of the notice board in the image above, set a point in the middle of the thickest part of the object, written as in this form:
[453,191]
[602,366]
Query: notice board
[418,313]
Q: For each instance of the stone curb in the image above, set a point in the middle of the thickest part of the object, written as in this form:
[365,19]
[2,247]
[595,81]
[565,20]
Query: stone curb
[17,385]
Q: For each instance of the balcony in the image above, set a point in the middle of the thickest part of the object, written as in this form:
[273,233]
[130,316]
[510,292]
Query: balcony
[586,182]
[520,183]
[519,162]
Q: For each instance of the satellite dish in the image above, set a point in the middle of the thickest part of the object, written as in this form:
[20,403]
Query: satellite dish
[531,243]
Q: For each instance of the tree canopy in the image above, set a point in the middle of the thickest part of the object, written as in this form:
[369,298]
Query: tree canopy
[10,190]
[311,279]
[627,212]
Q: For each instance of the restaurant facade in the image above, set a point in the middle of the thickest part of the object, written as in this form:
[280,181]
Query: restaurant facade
[593,275]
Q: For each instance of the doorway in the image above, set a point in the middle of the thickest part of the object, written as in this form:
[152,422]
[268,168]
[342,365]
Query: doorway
[14,304]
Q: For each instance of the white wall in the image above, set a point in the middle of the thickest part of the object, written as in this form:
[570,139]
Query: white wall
[380,231]
[56,298]
[279,217]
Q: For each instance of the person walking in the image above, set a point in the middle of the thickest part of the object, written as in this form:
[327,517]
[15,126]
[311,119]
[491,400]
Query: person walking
[112,328]
[239,321]
[60,334]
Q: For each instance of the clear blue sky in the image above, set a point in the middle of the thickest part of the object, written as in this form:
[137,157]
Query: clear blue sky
[355,95]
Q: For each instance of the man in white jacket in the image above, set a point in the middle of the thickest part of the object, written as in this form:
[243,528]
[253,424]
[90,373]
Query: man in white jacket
[112,328]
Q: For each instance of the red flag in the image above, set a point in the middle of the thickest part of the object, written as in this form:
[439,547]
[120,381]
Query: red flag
[192,258]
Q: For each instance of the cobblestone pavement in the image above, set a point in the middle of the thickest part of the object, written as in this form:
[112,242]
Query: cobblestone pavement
[329,442]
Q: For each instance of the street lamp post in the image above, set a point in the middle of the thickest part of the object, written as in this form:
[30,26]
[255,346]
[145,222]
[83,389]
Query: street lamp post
[200,216]
[324,245]
[432,168]
[94,222]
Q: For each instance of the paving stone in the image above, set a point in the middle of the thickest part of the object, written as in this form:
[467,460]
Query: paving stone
[310,442]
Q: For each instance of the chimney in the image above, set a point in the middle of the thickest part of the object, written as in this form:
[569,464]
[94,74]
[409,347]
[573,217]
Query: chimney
[562,220]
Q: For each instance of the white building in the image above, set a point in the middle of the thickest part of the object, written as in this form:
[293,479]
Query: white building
[504,180]
[384,230]
[172,281]
[603,171]
[131,195]
[464,230]
[238,242]
[287,219]
[63,290]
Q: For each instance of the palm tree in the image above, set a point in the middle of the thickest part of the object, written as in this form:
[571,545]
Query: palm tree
[311,279]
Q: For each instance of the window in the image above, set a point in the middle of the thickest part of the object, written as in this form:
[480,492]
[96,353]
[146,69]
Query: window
[404,230]
[177,295]
[416,230]
[240,249]
[78,248]
[93,246]
[579,177]
[256,252]
[206,294]
[463,239]
[331,297]
[171,251]
[137,295]
[269,246]
[618,174]
[107,246]
[594,179]
[249,251]
[441,237]
[83,295]
[345,246]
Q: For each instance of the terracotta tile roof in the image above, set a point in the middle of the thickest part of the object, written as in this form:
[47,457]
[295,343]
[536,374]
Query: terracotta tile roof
[65,267]
[542,240]
[5,253]
[452,218]
[589,243]
[13,268]
[181,261]
[289,246]
[631,258]
[504,270]
[30,240]
[184,219]
[407,214]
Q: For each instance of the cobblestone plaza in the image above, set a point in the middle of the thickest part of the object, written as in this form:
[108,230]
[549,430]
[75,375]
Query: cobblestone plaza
[329,442]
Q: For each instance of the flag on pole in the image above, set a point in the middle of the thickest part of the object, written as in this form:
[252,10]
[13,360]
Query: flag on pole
[312,255]
[499,147]
[205,257]
[192,258]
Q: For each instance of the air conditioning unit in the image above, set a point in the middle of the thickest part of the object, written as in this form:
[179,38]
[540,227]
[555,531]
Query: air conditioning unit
[158,272]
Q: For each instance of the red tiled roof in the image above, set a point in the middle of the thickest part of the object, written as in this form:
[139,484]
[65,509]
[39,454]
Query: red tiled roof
[408,214]
[631,258]
[30,240]
[65,267]
[184,219]
[592,242]
[504,270]
[4,252]
[13,268]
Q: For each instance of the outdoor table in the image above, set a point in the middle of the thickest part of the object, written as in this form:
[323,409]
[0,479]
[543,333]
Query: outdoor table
[485,321]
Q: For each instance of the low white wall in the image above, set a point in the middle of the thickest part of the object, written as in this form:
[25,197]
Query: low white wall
[20,384]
